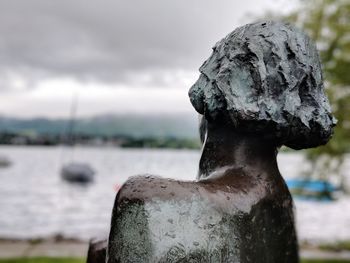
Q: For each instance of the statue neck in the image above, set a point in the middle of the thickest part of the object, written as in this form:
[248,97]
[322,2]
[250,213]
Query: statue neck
[225,148]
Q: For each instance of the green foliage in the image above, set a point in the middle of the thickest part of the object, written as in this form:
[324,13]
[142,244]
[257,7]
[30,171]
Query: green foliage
[180,125]
[325,261]
[172,143]
[328,24]
[336,247]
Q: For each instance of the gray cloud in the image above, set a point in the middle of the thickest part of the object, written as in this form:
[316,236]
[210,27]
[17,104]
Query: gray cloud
[113,40]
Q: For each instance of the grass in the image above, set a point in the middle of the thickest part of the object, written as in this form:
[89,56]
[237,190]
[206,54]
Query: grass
[43,260]
[339,246]
[82,260]
[324,261]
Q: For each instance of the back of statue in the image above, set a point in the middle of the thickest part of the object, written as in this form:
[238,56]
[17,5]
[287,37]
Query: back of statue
[261,88]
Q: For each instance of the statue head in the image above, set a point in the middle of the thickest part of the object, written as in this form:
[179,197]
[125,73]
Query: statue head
[266,79]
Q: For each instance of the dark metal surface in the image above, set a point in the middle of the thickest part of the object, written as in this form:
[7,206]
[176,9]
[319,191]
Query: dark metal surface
[266,78]
[262,87]
[239,210]
[97,251]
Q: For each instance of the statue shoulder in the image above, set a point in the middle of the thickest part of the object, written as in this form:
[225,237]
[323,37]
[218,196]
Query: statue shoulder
[133,221]
[145,188]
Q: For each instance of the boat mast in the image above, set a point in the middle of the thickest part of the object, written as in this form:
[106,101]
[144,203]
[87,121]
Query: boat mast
[73,112]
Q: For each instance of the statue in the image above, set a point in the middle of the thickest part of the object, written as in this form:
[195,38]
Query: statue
[97,250]
[260,89]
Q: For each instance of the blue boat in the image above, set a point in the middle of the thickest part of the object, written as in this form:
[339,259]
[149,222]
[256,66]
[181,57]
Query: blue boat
[309,189]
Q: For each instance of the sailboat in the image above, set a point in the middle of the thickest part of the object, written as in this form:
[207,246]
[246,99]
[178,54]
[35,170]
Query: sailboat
[4,162]
[75,172]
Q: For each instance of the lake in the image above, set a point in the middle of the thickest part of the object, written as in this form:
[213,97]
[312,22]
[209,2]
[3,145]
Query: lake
[35,202]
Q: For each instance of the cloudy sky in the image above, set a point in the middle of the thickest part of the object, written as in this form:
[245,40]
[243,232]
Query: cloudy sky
[117,55]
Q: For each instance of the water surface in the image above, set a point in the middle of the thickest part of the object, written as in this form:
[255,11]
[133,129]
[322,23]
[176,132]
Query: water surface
[35,202]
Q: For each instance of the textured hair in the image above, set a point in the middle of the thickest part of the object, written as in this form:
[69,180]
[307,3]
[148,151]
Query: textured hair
[266,78]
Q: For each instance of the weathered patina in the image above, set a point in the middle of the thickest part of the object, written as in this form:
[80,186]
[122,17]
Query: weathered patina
[266,79]
[261,88]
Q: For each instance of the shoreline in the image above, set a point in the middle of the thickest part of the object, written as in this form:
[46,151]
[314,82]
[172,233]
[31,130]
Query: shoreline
[12,248]
[59,246]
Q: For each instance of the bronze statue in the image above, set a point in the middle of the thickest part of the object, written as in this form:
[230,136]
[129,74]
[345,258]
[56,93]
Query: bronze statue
[260,89]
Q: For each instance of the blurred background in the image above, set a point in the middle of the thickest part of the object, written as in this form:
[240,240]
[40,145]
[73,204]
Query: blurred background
[94,92]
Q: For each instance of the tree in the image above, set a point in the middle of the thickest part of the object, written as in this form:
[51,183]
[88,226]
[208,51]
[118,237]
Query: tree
[328,23]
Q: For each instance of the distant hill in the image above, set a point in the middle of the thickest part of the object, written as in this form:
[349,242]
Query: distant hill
[134,125]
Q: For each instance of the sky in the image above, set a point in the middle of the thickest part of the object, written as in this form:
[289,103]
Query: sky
[116,56]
